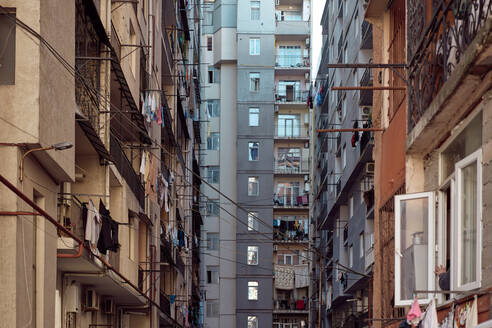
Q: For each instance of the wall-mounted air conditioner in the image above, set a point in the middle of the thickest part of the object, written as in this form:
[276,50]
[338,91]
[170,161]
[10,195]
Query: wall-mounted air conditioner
[366,113]
[306,119]
[91,300]
[370,168]
[276,108]
[275,248]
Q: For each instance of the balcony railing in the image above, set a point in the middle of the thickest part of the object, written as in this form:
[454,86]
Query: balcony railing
[165,304]
[290,306]
[292,61]
[366,95]
[369,257]
[126,170]
[366,35]
[290,229]
[289,132]
[291,200]
[290,97]
[294,165]
[435,48]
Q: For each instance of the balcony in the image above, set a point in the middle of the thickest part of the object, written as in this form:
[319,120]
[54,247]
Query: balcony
[365,96]
[289,307]
[126,170]
[289,132]
[291,165]
[292,63]
[290,229]
[369,257]
[165,304]
[366,35]
[294,28]
[438,46]
[294,97]
[291,200]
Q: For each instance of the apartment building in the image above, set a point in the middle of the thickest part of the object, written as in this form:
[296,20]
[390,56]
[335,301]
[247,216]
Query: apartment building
[256,66]
[432,202]
[100,169]
[343,171]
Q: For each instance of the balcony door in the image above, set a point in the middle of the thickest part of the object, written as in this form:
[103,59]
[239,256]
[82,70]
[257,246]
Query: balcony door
[289,125]
[287,193]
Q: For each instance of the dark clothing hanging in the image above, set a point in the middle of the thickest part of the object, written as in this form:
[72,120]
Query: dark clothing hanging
[291,225]
[108,236]
[283,225]
[181,241]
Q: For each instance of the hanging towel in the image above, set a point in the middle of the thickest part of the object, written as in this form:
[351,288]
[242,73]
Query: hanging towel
[472,314]
[92,227]
[142,163]
[430,318]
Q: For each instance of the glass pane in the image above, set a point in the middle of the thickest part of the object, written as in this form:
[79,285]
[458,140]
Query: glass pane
[252,322]
[468,229]
[413,247]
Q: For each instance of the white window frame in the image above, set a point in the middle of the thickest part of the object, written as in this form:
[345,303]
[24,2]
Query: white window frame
[212,280]
[252,221]
[257,186]
[291,256]
[254,324]
[216,244]
[254,111]
[212,309]
[251,145]
[456,223]
[254,46]
[252,77]
[254,249]
[362,246]
[254,284]
[431,221]
[254,8]
[351,255]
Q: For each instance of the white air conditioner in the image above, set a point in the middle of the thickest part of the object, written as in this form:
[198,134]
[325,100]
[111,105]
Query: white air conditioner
[306,119]
[275,248]
[306,75]
[370,168]
[276,108]
[366,113]
[108,306]
[91,300]
[306,177]
[72,298]
[307,42]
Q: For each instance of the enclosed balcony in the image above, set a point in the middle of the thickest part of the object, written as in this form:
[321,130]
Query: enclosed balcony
[290,229]
[366,42]
[365,96]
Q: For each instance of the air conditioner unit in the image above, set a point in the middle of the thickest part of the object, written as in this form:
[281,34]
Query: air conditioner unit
[306,75]
[306,119]
[307,42]
[275,248]
[108,306]
[91,300]
[306,177]
[276,108]
[370,168]
[366,113]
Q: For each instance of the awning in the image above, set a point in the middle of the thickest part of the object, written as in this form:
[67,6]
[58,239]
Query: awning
[93,137]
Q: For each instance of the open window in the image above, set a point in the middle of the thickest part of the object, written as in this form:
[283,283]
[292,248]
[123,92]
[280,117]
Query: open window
[467,223]
[414,247]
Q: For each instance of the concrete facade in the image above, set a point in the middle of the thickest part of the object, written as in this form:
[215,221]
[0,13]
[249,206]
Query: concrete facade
[245,38]
[82,71]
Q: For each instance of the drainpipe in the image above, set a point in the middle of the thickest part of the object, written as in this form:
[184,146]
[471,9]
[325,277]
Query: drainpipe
[71,256]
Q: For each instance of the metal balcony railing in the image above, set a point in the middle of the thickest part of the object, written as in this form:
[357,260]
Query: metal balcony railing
[165,304]
[291,132]
[294,199]
[365,96]
[436,47]
[291,165]
[288,97]
[126,170]
[366,35]
[292,61]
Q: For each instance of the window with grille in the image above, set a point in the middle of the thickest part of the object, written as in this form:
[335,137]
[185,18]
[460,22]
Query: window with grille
[255,10]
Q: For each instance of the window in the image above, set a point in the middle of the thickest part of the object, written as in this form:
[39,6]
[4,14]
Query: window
[361,244]
[208,18]
[213,174]
[213,108]
[255,10]
[289,125]
[288,259]
[253,186]
[209,43]
[254,82]
[414,238]
[212,274]
[253,290]
[467,272]
[212,308]
[252,321]
[7,50]
[351,256]
[212,241]
[254,117]
[254,46]
[253,150]
[289,56]
[252,221]
[213,207]
[213,75]
[213,141]
[252,255]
